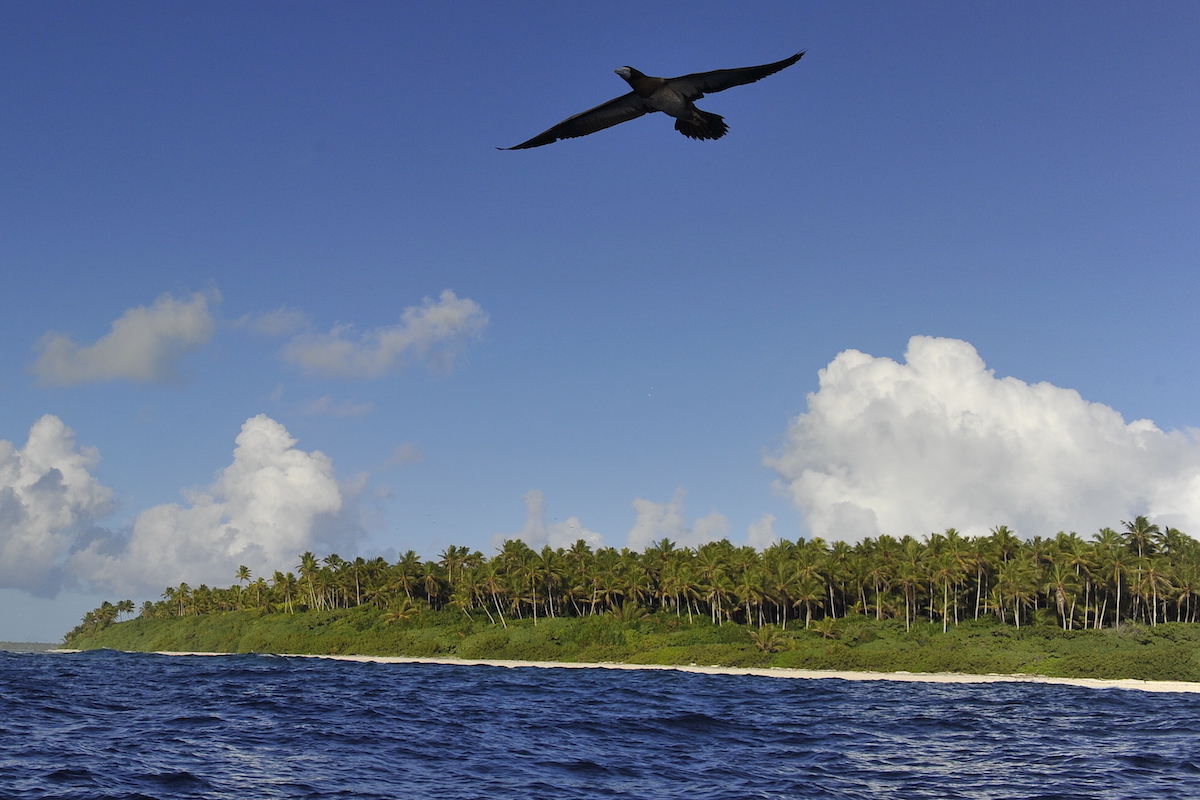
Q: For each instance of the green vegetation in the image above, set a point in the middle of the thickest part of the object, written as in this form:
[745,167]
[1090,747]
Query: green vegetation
[1165,652]
[1122,605]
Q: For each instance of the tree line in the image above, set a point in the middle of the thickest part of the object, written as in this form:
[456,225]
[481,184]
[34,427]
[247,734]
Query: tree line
[1140,573]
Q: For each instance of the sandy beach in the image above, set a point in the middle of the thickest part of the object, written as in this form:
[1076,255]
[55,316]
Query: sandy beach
[767,672]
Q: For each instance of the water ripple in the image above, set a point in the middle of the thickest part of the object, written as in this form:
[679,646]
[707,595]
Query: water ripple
[113,725]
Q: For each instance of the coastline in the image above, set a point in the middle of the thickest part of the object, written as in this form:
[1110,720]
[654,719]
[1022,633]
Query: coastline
[1188,687]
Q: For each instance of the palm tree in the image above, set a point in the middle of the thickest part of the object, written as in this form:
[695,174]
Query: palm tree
[1062,583]
[286,584]
[1116,566]
[751,593]
[768,639]
[182,594]
[1015,581]
[308,568]
[431,583]
[357,567]
[493,584]
[719,590]
[629,611]
[404,609]
[809,592]
[1141,535]
[945,568]
[1187,586]
[877,575]
[454,559]
[1005,543]
[1153,582]
[550,571]
[124,607]
[1077,555]
[838,569]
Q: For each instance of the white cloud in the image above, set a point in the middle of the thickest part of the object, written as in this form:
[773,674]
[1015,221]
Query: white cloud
[344,408]
[939,441]
[537,534]
[145,344]
[272,503]
[48,501]
[436,331]
[658,520]
[761,534]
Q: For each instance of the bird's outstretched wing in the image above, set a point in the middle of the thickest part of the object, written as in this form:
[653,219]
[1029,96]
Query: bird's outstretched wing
[696,85]
[621,109]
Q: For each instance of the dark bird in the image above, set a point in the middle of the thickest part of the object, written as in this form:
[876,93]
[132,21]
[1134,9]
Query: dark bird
[671,96]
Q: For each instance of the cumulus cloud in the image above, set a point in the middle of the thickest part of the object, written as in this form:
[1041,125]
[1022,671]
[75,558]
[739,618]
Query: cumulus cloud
[940,441]
[658,520]
[537,534]
[144,345]
[48,503]
[434,332]
[272,503]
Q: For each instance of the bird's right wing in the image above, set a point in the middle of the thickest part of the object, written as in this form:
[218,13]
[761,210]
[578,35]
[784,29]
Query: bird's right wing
[621,109]
[694,86]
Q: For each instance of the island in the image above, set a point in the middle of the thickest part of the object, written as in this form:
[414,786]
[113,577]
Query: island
[1120,606]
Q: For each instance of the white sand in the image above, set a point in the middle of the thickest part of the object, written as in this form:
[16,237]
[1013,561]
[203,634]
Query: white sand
[775,672]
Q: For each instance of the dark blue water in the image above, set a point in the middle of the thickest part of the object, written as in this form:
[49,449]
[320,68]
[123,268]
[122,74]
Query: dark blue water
[115,725]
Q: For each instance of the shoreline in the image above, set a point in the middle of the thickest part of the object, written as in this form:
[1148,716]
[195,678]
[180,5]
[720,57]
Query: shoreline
[765,672]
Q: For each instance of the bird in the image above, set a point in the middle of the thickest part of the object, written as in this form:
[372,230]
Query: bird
[672,96]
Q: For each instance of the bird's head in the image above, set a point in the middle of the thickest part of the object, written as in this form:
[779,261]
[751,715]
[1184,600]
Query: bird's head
[629,74]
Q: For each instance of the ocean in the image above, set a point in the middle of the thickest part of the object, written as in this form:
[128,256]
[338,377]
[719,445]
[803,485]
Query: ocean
[97,725]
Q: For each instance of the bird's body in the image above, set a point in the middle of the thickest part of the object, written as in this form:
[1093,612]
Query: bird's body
[672,96]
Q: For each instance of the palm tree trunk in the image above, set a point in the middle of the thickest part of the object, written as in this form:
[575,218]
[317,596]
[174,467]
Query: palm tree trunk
[496,602]
[945,603]
[1117,607]
[978,589]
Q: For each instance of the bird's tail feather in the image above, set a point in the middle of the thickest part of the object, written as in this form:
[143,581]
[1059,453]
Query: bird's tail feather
[702,126]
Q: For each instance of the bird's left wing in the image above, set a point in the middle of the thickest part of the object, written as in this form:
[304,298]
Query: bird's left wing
[621,109]
[694,86]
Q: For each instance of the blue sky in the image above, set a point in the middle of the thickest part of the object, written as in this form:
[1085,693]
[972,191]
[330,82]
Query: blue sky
[633,313]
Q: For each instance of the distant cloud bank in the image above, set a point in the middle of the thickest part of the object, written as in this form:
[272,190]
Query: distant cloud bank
[434,332]
[144,345]
[939,441]
[537,534]
[271,503]
[656,521]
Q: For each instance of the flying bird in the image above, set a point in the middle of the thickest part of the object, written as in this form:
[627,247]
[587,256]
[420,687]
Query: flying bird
[671,96]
